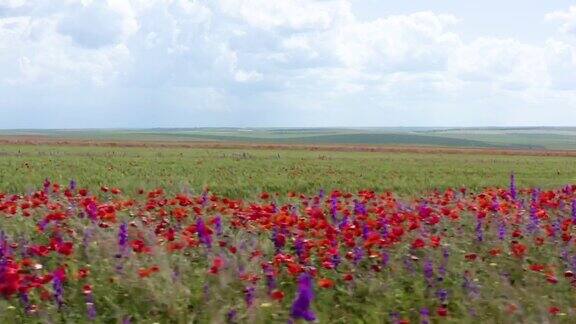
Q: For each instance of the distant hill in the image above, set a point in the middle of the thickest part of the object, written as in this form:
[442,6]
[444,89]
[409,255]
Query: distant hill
[563,138]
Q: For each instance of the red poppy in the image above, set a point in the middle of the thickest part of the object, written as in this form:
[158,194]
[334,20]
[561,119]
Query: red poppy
[277,294]
[326,283]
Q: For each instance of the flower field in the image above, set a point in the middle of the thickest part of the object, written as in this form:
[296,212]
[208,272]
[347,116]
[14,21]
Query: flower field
[71,254]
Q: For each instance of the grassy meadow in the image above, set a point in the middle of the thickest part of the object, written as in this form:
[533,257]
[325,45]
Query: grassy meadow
[244,173]
[284,236]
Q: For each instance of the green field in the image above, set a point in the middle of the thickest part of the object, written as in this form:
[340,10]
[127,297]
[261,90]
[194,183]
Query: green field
[389,281]
[560,138]
[244,173]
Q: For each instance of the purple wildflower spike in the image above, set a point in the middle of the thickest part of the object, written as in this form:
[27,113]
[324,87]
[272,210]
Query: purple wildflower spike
[513,193]
[358,254]
[46,186]
[231,316]
[92,211]
[91,308]
[203,232]
[123,238]
[479,232]
[218,225]
[301,305]
[502,230]
[424,316]
[574,211]
[249,295]
[442,295]
[58,287]
[72,185]
[428,268]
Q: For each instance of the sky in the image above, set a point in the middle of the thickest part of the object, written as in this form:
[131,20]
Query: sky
[286,63]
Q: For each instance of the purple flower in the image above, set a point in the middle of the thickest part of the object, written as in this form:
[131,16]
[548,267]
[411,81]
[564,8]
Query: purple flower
[204,198]
[365,231]
[336,260]
[532,226]
[385,259]
[502,230]
[92,210]
[469,286]
[495,204]
[231,316]
[58,287]
[123,238]
[46,186]
[278,243]
[301,305]
[270,279]
[442,295]
[299,247]
[203,232]
[428,268]
[358,254]
[249,295]
[91,308]
[333,208]
[72,185]
[25,300]
[395,317]
[424,316]
[359,208]
[479,232]
[512,186]
[218,225]
[408,264]
[574,211]
[383,227]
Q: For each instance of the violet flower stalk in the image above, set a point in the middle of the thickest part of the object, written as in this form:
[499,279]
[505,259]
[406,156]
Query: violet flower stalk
[358,254]
[301,305]
[72,185]
[249,295]
[385,259]
[334,208]
[270,279]
[502,230]
[299,247]
[395,317]
[90,306]
[574,211]
[123,239]
[428,269]
[25,300]
[479,232]
[513,193]
[424,316]
[203,232]
[442,295]
[46,186]
[92,211]
[218,225]
[231,316]
[58,287]
[469,286]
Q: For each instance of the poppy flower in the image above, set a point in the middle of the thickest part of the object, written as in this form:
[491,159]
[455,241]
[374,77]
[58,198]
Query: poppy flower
[326,283]
[277,295]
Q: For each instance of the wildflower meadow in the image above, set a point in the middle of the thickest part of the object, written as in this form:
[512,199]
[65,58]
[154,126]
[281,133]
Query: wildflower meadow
[74,254]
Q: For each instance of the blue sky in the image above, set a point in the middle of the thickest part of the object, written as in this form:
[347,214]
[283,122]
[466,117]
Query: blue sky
[185,63]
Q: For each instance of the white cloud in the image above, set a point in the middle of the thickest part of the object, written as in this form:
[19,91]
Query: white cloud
[289,14]
[233,54]
[100,23]
[567,19]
